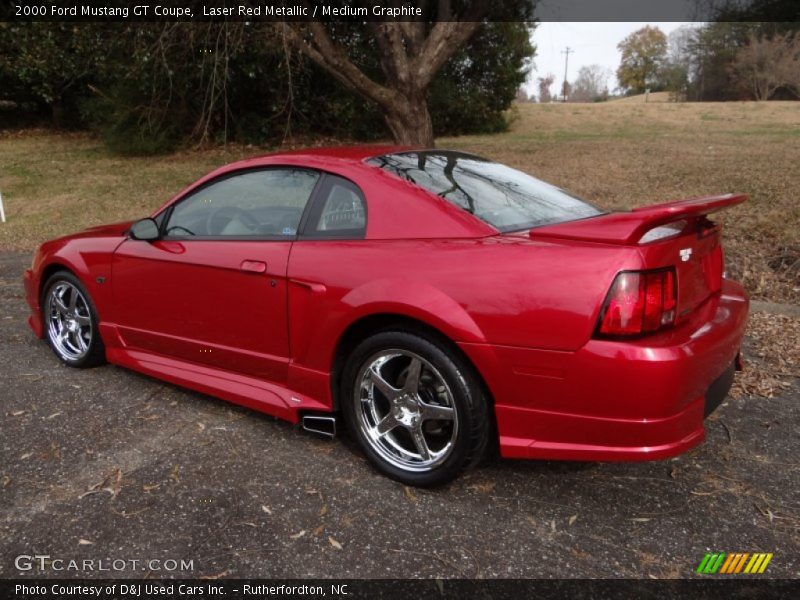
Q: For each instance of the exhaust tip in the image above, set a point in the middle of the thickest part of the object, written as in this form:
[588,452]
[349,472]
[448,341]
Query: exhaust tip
[324,425]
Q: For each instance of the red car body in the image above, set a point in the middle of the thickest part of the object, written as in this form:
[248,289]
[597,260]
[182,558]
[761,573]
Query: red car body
[523,307]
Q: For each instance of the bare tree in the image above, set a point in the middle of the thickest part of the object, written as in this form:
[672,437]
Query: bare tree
[764,65]
[544,84]
[679,45]
[410,53]
[681,63]
[209,47]
[591,84]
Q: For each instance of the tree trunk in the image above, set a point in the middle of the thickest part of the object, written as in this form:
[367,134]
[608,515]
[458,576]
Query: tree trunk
[57,112]
[410,58]
[410,121]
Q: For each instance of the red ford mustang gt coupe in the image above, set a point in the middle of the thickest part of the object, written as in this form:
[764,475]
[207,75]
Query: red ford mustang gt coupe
[439,303]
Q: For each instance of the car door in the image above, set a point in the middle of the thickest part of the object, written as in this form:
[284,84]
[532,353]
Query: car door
[213,288]
[326,263]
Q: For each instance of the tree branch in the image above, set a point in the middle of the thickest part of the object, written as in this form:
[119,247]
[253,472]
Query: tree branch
[446,38]
[332,57]
[442,43]
[393,53]
[414,33]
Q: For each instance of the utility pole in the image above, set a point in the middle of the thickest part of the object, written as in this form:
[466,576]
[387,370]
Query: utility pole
[566,52]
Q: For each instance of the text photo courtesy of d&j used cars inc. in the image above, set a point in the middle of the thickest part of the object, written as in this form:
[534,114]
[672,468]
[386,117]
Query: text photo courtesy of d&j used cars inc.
[408,299]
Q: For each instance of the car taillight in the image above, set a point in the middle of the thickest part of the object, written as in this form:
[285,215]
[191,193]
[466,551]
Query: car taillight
[639,302]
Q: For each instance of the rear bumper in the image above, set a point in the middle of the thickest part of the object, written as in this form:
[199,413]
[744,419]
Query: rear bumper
[613,400]
[32,296]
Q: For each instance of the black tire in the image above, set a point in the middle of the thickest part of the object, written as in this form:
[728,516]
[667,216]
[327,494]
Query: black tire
[95,352]
[467,444]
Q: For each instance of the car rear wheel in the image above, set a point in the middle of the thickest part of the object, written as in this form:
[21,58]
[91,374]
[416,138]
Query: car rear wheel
[71,322]
[415,407]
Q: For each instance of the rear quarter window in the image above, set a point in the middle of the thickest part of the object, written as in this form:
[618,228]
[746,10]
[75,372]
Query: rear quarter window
[507,199]
[340,211]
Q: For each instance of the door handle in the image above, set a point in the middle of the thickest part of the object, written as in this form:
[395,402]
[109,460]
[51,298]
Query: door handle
[253,266]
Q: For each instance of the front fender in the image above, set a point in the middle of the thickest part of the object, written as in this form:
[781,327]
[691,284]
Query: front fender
[88,258]
[49,257]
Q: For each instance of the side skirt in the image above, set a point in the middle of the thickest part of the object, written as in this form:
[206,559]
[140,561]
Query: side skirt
[239,389]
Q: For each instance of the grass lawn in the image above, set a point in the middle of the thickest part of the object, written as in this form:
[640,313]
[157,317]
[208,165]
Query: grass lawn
[616,154]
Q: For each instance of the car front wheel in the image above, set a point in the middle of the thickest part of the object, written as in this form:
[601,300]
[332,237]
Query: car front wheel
[71,322]
[415,407]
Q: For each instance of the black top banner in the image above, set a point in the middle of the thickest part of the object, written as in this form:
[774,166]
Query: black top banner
[401,10]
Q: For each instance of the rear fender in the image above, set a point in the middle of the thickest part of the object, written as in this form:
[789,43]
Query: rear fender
[314,340]
[418,301]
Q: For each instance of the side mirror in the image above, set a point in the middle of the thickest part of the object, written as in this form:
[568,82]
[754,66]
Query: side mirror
[144,229]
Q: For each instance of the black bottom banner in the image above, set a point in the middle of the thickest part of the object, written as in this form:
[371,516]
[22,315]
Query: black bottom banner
[511,589]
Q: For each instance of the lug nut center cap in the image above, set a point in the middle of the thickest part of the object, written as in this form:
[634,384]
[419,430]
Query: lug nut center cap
[406,410]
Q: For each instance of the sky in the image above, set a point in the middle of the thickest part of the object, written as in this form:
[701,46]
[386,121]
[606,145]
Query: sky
[593,43]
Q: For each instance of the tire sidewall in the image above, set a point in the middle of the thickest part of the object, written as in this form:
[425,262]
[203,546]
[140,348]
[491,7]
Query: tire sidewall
[467,399]
[96,353]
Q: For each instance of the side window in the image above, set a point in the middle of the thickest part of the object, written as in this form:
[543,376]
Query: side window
[340,211]
[261,203]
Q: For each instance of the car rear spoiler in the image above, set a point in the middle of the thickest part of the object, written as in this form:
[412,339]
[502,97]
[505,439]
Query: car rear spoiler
[629,227]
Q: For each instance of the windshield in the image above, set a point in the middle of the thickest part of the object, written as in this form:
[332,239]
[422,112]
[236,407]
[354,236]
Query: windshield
[507,199]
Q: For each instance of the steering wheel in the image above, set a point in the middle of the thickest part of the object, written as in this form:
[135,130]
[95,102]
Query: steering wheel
[177,227]
[230,213]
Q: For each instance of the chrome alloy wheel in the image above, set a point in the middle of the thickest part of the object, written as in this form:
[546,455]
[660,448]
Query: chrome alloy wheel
[405,410]
[69,322]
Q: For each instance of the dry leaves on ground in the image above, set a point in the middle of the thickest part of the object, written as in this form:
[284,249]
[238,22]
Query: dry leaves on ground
[772,356]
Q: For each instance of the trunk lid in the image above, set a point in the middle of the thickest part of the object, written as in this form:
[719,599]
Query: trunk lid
[696,254]
[675,234]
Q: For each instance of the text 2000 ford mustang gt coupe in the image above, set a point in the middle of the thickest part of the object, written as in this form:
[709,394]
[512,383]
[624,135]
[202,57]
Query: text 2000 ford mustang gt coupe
[439,302]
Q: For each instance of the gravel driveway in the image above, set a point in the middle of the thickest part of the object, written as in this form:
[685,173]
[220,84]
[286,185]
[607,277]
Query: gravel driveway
[108,464]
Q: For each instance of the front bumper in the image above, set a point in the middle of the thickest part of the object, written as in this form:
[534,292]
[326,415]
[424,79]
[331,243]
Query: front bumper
[616,400]
[32,296]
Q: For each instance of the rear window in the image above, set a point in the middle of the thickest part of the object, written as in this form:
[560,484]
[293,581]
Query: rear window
[507,199]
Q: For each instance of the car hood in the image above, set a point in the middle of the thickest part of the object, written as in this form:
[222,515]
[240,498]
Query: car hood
[113,229]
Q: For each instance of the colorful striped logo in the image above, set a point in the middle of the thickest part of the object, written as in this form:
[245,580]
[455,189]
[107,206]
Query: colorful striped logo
[734,563]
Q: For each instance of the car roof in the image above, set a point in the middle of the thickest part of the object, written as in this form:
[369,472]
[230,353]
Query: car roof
[356,153]
[433,217]
[321,155]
